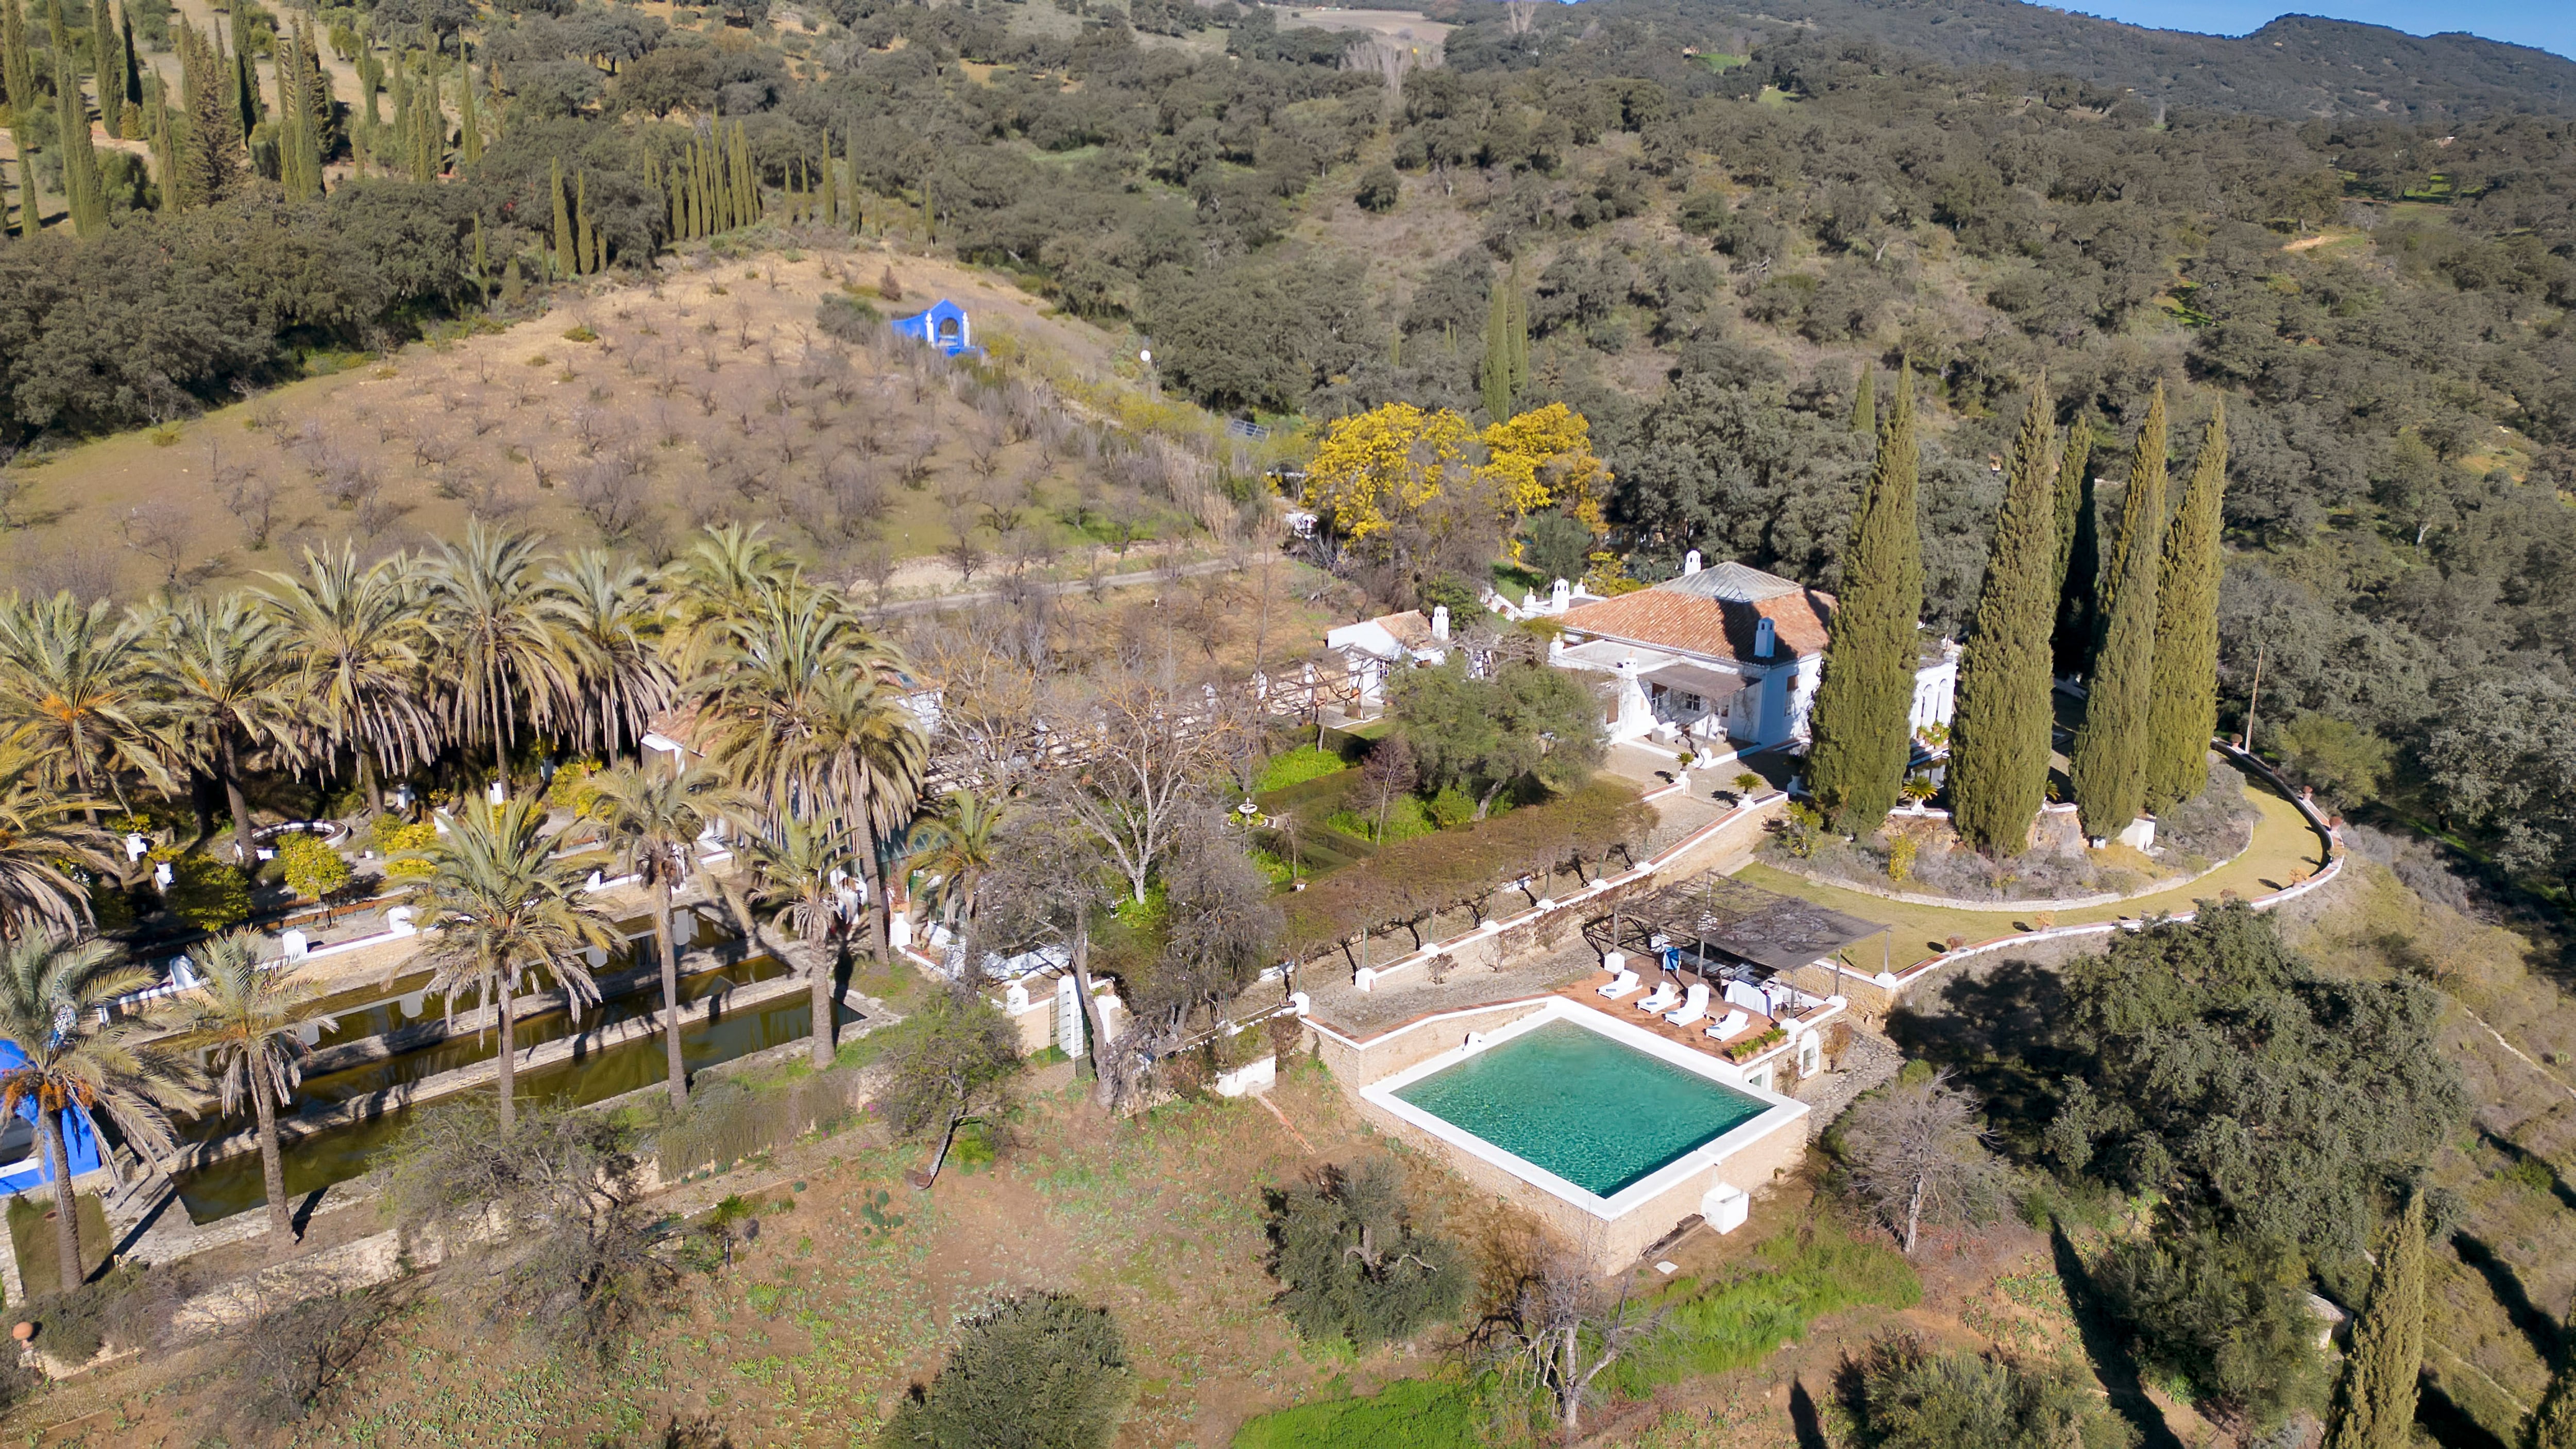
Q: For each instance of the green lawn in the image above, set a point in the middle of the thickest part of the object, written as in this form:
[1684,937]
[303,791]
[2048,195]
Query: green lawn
[2284,849]
[32,1236]
[1406,1414]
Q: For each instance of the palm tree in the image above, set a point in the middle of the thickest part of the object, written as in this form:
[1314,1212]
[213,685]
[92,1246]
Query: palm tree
[73,677]
[723,577]
[608,627]
[249,1018]
[499,641]
[505,911]
[355,634]
[654,817]
[228,686]
[956,845]
[53,994]
[801,868]
[38,837]
[807,710]
[869,755]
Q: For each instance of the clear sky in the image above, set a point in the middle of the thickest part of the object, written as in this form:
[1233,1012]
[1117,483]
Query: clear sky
[2548,24]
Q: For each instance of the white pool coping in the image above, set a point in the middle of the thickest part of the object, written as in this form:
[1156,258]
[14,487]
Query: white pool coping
[1778,1111]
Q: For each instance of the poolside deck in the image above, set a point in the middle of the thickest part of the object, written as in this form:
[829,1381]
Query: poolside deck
[1587,992]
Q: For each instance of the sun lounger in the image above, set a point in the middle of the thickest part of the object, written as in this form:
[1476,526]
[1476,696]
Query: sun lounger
[1619,985]
[1728,1025]
[1694,1006]
[1661,999]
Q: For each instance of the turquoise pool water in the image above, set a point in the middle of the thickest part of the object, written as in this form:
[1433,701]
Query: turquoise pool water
[1600,1115]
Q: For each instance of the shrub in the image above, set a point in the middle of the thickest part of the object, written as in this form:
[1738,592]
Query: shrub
[1036,1371]
[395,841]
[1353,1265]
[2229,1318]
[848,318]
[207,893]
[1907,1397]
[1380,189]
[1450,808]
[296,1354]
[312,869]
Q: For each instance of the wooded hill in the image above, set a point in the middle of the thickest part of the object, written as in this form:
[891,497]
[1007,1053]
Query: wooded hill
[2299,65]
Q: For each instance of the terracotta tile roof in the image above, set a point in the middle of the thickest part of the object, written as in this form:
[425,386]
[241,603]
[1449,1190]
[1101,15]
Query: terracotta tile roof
[1412,628]
[1688,621]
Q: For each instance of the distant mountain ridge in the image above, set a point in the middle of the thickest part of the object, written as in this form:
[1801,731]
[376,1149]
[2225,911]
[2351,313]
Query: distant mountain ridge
[2299,65]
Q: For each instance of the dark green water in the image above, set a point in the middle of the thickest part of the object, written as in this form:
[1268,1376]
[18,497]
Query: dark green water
[233,1185]
[1596,1113]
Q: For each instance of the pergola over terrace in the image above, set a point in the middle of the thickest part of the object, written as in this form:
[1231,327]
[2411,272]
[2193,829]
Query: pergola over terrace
[1715,926]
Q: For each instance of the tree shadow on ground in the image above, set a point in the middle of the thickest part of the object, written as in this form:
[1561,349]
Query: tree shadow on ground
[2449,1424]
[1803,1417]
[2506,1283]
[2104,1348]
[1993,1031]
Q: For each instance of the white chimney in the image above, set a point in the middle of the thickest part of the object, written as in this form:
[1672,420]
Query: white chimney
[1690,563]
[1763,637]
[1440,621]
[1560,597]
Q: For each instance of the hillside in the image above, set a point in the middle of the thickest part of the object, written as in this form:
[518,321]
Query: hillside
[2299,65]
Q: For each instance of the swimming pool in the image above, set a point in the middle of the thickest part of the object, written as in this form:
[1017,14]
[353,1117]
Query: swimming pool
[1586,1109]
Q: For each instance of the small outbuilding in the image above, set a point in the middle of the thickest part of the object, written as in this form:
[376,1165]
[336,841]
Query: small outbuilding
[944,325]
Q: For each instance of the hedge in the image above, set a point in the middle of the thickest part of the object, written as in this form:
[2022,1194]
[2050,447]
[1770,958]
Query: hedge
[1410,880]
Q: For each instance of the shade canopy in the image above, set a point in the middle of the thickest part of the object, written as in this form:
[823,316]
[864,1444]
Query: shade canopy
[1721,914]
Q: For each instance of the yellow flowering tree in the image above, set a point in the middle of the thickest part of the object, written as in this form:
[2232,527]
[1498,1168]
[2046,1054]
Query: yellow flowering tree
[1387,464]
[1400,465]
[1543,458]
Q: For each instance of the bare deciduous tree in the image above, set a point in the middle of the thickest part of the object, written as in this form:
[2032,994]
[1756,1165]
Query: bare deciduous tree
[159,530]
[1917,1155]
[1145,745]
[1565,1328]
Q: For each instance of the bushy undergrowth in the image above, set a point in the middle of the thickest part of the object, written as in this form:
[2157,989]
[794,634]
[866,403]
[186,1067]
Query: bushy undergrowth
[1353,1264]
[1793,1280]
[2213,826]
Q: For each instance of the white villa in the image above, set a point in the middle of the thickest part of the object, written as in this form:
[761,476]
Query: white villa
[1727,658]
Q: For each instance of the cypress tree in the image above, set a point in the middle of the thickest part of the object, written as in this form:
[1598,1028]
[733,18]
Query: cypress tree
[131,79]
[17,72]
[199,155]
[564,257]
[2185,712]
[2079,553]
[469,127]
[1495,377]
[1864,416]
[82,190]
[585,261]
[371,83]
[1518,332]
[27,199]
[2111,749]
[831,185]
[858,214]
[18,83]
[4,202]
[245,91]
[103,63]
[1862,741]
[2374,1405]
[482,265]
[1999,737]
